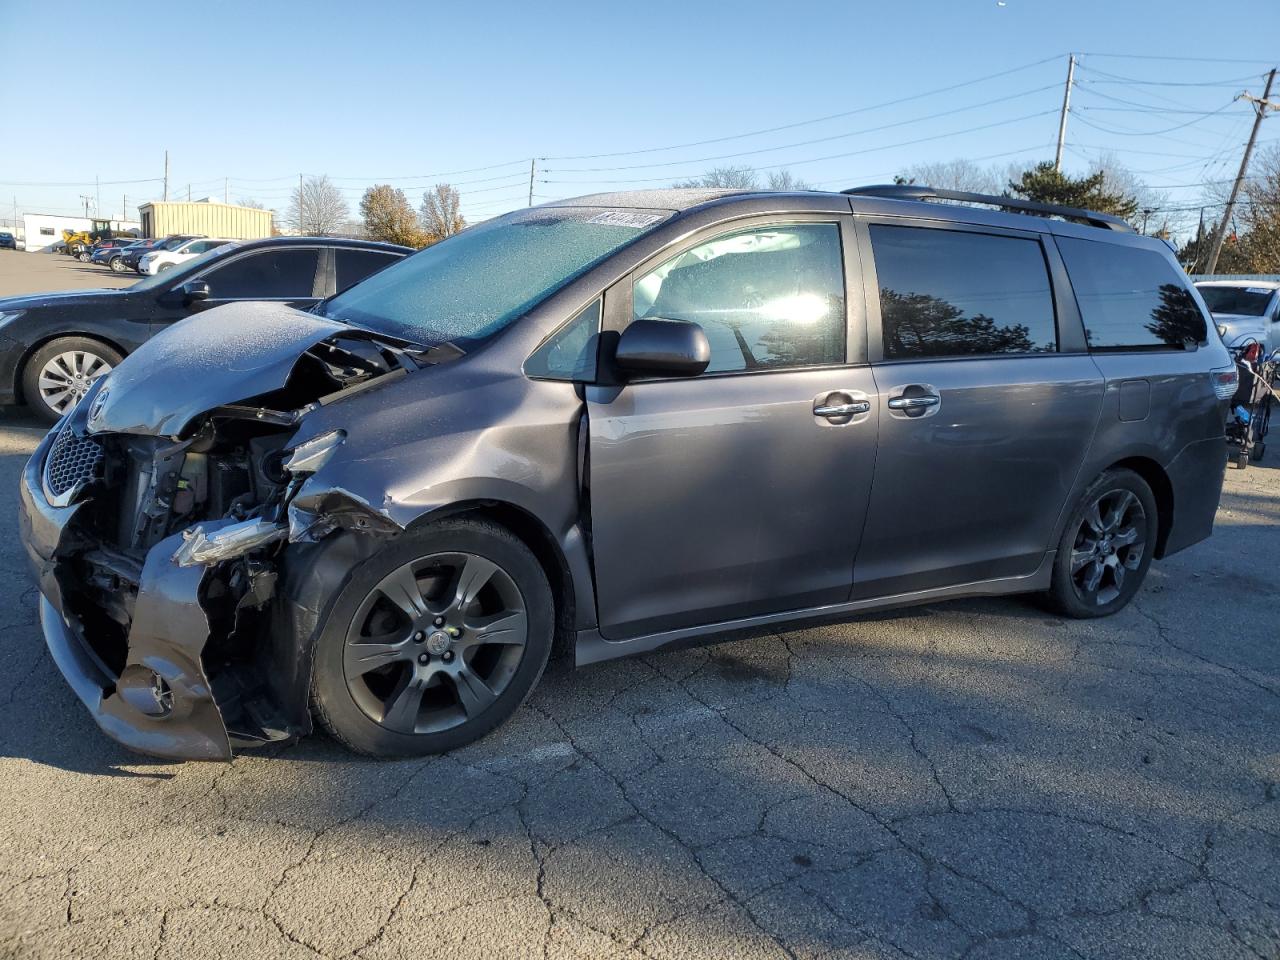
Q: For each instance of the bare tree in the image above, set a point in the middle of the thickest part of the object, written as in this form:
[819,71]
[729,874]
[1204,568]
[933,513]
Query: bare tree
[249,202]
[729,178]
[1119,179]
[440,213]
[317,208]
[958,174]
[785,180]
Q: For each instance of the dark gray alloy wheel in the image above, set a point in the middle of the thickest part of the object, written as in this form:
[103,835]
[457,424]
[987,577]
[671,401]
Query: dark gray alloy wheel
[435,643]
[1106,547]
[1109,546]
[435,640]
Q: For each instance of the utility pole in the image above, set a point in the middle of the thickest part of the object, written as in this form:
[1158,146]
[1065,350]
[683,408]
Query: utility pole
[1066,107]
[298,225]
[1260,108]
[532,167]
[1146,212]
[226,189]
[97,190]
[85,198]
[124,207]
[166,175]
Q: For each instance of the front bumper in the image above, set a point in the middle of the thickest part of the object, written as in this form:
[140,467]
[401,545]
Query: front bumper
[161,702]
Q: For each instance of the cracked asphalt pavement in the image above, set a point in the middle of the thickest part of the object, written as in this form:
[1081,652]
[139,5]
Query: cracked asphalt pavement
[973,779]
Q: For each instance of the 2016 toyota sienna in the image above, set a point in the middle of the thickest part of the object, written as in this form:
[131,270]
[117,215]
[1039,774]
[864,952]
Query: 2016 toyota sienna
[625,421]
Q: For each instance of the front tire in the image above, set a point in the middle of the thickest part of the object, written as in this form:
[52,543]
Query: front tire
[1106,547]
[61,371]
[433,642]
[117,265]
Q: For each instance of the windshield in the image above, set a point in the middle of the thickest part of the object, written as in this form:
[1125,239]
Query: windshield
[469,287]
[182,271]
[1245,301]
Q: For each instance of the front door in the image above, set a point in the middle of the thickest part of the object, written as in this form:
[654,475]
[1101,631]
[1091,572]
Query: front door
[741,491]
[988,412]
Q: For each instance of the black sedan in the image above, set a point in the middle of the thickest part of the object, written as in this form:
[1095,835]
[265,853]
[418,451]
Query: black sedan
[54,345]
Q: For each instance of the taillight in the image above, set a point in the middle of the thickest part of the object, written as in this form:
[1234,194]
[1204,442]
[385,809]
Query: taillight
[1225,380]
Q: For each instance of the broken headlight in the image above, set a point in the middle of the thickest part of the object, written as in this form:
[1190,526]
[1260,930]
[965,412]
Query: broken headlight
[310,456]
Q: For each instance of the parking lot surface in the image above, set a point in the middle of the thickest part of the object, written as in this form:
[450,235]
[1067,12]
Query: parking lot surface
[974,779]
[22,273]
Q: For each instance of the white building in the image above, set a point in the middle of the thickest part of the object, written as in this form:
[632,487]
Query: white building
[43,230]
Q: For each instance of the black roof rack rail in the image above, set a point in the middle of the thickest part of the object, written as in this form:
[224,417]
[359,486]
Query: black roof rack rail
[912,191]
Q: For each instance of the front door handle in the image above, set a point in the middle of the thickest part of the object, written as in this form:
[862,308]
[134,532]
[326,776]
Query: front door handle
[850,409]
[911,404]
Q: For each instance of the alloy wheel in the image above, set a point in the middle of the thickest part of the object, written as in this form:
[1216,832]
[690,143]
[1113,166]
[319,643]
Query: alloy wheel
[1109,546]
[435,643]
[67,377]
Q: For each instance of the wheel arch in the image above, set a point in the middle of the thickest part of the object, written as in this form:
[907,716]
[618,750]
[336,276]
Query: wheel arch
[1161,488]
[20,368]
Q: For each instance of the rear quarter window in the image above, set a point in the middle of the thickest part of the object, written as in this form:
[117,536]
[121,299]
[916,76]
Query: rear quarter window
[1131,298]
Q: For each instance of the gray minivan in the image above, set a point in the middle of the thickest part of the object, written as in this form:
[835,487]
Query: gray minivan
[621,422]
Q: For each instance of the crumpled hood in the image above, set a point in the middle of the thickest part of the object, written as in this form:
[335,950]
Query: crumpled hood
[34,301]
[220,356]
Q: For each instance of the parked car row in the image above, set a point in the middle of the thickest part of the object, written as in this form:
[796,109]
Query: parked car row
[54,346]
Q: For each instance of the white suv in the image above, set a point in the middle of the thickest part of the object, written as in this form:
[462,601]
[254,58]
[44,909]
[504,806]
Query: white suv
[1244,310]
[159,260]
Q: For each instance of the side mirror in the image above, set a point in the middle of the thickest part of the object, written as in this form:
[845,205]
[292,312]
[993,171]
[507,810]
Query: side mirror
[657,347]
[194,291]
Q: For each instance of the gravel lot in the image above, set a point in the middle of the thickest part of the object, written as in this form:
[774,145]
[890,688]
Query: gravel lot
[973,779]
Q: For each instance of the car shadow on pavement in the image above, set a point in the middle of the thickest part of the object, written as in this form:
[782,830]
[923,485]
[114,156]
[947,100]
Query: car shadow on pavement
[972,777]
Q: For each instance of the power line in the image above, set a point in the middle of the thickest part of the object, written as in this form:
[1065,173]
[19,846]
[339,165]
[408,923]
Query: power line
[1148,56]
[803,143]
[840,156]
[802,123]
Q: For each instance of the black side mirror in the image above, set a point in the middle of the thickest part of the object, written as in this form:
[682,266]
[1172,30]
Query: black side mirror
[657,347]
[194,291]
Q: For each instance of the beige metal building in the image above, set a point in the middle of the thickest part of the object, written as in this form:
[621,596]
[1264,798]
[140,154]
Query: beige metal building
[205,218]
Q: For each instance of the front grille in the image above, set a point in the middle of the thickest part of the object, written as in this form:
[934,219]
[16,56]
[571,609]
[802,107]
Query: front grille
[72,460]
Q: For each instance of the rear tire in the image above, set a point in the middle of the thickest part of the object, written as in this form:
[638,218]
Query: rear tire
[403,668]
[60,372]
[1106,547]
[117,265]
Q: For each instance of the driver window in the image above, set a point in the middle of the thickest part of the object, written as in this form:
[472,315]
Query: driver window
[767,298]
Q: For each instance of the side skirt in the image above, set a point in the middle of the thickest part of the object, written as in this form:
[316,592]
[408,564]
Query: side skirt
[591,647]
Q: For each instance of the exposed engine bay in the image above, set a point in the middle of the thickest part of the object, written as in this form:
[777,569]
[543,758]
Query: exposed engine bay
[221,493]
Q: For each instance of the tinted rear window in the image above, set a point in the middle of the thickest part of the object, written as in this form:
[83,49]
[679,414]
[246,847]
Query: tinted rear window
[950,293]
[1131,298]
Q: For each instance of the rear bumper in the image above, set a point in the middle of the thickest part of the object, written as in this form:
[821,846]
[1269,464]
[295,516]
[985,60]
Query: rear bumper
[1196,475]
[161,702]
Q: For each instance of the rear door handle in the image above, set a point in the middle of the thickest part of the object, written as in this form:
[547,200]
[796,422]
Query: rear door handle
[914,403]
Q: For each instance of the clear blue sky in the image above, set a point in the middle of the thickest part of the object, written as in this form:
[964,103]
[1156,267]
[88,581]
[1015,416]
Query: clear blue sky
[398,92]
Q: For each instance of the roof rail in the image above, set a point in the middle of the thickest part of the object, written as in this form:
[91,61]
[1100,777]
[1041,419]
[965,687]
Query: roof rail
[911,191]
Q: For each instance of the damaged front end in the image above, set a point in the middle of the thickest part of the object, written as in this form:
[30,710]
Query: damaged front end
[171,556]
